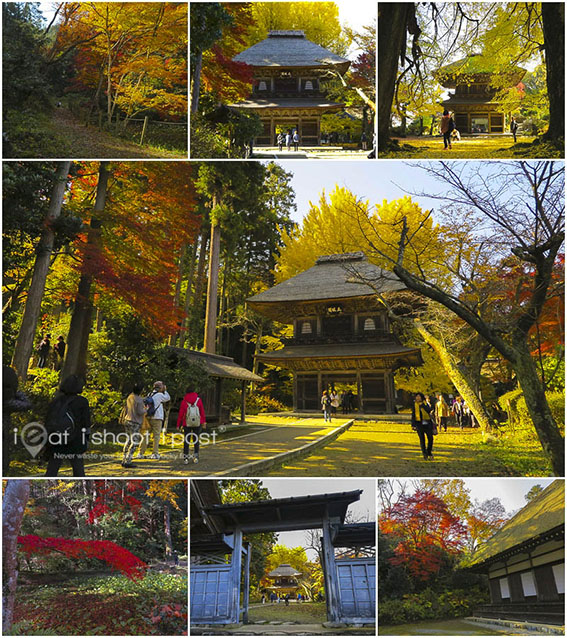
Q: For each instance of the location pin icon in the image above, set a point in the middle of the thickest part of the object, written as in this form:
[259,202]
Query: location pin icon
[34,437]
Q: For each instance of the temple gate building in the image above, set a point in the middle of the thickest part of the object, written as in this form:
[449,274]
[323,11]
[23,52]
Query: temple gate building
[220,556]
[341,333]
[525,562]
[473,102]
[287,90]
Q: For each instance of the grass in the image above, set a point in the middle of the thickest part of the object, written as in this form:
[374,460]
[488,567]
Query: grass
[109,605]
[304,613]
[381,448]
[470,148]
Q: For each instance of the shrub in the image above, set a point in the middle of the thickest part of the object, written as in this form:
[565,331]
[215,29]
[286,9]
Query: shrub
[431,605]
[258,403]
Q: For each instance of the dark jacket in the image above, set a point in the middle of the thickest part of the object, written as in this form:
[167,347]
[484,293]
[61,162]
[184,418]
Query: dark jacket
[79,408]
[424,408]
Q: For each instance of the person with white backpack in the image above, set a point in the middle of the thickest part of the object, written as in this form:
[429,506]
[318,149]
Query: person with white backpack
[192,422]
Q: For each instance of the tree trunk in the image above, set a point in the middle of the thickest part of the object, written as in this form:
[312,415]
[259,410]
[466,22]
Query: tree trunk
[25,340]
[167,531]
[392,25]
[553,16]
[188,296]
[532,387]
[13,506]
[212,289]
[459,378]
[196,83]
[81,321]
[177,294]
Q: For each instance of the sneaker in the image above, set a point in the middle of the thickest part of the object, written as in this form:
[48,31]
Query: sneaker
[186,460]
[140,456]
[196,459]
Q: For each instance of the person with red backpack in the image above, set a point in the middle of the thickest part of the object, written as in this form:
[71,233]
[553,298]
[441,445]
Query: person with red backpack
[192,421]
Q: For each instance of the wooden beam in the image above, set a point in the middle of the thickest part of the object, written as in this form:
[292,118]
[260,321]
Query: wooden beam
[235,569]
[246,601]
[331,575]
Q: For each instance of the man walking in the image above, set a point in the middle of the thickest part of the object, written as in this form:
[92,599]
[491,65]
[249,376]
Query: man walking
[155,414]
[514,128]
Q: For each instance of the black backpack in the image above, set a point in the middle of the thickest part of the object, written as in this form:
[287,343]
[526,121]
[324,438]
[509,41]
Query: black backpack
[60,419]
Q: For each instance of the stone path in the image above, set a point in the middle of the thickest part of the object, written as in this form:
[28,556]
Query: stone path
[226,454]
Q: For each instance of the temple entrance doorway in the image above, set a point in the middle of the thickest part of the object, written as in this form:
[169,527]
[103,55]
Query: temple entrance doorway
[283,126]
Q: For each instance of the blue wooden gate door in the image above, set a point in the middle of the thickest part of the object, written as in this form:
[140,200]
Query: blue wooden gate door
[210,594]
[357,588]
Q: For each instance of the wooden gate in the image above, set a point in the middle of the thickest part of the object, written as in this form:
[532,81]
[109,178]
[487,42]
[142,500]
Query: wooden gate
[357,589]
[211,594]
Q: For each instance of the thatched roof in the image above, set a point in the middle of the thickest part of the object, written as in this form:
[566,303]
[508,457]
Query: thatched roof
[284,570]
[290,49]
[475,67]
[332,277]
[216,365]
[538,518]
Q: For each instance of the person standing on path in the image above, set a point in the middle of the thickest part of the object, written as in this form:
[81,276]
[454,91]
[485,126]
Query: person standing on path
[295,141]
[68,424]
[281,140]
[134,412]
[447,126]
[288,139]
[442,412]
[59,349]
[44,349]
[326,405]
[514,127]
[192,421]
[155,414]
[421,423]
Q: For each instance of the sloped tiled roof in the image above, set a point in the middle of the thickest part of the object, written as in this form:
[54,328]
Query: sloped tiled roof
[290,49]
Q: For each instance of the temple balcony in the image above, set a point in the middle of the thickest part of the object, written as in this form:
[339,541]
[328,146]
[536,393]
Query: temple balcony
[370,336]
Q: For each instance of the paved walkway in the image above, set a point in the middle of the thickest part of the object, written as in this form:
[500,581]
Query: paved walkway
[309,152]
[228,453]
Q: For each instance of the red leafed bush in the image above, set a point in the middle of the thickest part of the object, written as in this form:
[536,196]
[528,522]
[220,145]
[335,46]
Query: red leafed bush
[112,554]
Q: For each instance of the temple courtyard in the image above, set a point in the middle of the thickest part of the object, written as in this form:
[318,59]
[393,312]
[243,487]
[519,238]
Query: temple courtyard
[293,445]
[310,152]
[495,146]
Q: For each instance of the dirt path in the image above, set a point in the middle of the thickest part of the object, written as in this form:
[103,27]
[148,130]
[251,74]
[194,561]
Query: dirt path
[89,143]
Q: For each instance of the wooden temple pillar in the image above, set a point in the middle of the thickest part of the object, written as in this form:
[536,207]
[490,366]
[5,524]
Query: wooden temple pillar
[246,601]
[295,391]
[359,392]
[330,571]
[235,570]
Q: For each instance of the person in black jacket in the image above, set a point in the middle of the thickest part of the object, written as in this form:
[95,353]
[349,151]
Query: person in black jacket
[70,406]
[421,423]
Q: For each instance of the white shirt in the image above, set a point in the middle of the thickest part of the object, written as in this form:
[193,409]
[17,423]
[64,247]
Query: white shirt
[159,398]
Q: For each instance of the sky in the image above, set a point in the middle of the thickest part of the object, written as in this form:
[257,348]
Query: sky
[510,491]
[362,509]
[375,181]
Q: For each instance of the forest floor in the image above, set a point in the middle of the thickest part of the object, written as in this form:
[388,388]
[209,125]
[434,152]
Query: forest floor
[469,148]
[109,605]
[63,135]
[454,627]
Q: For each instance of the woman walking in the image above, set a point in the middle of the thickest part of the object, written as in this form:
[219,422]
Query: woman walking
[134,412]
[421,423]
[326,405]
